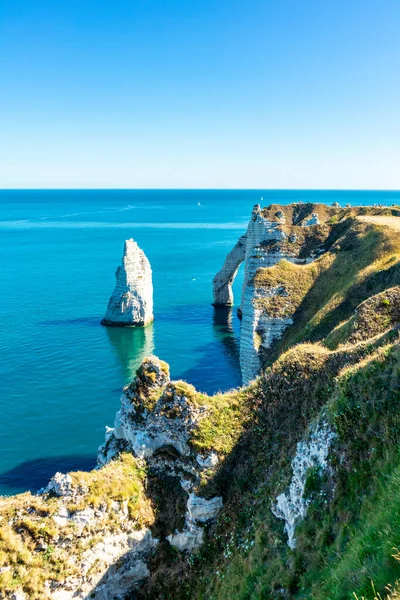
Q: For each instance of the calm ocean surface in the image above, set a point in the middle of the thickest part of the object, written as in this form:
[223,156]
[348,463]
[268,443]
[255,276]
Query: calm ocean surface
[61,372]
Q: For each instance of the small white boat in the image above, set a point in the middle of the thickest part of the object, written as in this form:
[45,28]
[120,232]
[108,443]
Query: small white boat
[198,204]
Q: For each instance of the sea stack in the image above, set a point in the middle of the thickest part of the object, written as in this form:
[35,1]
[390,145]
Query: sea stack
[131,303]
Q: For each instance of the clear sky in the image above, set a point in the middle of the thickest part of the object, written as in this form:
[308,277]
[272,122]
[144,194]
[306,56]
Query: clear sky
[200,93]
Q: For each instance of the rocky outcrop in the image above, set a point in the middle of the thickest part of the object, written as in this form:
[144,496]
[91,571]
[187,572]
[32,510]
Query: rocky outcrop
[153,416]
[199,510]
[273,234]
[155,423]
[112,566]
[102,526]
[292,505]
[86,535]
[131,303]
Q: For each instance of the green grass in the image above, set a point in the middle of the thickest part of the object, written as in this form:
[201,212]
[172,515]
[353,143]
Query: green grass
[295,282]
[363,521]
[363,262]
[374,316]
[246,555]
[331,361]
[225,420]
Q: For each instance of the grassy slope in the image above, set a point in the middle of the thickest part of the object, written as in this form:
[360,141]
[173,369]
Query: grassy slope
[353,372]
[363,261]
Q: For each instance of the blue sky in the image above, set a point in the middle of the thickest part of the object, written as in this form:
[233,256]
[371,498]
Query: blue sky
[203,94]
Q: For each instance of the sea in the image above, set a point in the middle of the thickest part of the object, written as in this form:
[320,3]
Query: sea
[61,372]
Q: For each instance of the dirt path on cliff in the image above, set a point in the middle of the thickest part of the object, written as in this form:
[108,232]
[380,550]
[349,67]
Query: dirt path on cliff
[393,222]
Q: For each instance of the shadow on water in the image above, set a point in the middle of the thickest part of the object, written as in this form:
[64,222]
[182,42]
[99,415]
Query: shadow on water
[131,345]
[89,321]
[185,314]
[34,474]
[224,332]
[218,370]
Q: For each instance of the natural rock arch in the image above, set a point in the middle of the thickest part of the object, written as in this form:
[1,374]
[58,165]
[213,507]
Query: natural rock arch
[223,280]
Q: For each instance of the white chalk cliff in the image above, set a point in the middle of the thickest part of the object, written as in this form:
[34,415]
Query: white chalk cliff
[131,303]
[264,244]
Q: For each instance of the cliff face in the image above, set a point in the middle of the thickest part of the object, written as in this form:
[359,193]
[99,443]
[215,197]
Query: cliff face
[287,488]
[94,535]
[310,486]
[285,250]
[131,303]
[273,234]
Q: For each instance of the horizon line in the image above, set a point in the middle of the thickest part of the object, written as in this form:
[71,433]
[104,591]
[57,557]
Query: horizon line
[194,189]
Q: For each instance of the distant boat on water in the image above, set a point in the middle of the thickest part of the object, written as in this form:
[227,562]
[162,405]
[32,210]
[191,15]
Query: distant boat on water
[198,204]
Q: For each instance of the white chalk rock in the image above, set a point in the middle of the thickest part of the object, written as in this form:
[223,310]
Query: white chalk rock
[131,303]
[314,220]
[60,485]
[186,541]
[264,245]
[62,516]
[202,510]
[292,505]
[222,282]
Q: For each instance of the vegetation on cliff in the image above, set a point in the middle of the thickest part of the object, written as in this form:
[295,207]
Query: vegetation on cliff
[44,538]
[340,548]
[346,370]
[361,260]
[337,364]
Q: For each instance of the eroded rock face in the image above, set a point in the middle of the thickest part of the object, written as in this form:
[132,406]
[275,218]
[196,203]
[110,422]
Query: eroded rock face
[292,505]
[269,238]
[131,303]
[120,565]
[145,429]
[155,423]
[108,549]
[199,510]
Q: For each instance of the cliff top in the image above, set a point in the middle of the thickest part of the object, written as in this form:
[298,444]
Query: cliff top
[295,214]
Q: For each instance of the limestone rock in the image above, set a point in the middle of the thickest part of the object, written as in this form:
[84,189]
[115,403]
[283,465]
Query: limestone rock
[222,282]
[202,510]
[314,220]
[143,431]
[186,541]
[131,303]
[110,553]
[62,517]
[155,423]
[60,485]
[291,506]
[270,238]
[205,462]
[199,510]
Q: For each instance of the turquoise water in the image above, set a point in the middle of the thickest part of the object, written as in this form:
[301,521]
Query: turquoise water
[61,372]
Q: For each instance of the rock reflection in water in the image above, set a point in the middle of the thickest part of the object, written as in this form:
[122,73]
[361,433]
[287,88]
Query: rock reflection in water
[223,326]
[131,345]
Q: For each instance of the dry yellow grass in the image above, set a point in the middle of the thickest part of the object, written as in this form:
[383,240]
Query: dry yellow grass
[34,549]
[393,222]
